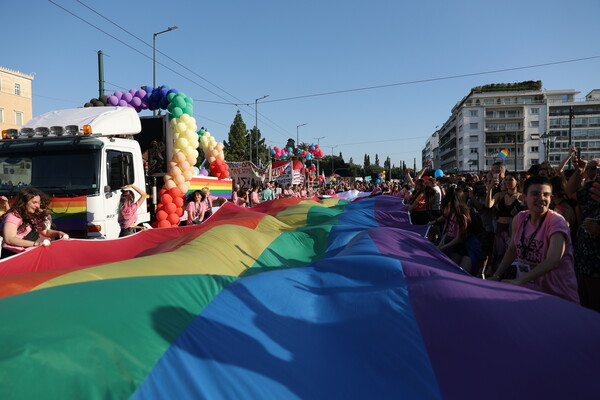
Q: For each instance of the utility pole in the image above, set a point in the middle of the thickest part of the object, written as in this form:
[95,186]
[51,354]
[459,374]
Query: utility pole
[571,114]
[100,74]
[318,144]
[256,124]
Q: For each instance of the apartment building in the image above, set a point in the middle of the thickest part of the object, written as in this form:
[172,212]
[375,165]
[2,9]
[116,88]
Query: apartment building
[16,106]
[529,122]
[572,120]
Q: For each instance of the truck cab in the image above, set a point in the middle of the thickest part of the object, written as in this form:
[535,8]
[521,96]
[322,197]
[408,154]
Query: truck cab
[81,158]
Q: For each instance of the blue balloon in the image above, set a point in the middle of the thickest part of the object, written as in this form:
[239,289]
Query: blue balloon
[438,173]
[378,181]
[164,103]
[290,149]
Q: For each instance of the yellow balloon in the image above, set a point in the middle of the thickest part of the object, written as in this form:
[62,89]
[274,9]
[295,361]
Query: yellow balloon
[181,127]
[170,184]
[184,165]
[182,142]
[175,171]
[179,179]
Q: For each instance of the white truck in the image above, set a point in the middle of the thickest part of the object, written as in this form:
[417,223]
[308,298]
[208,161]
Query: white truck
[81,158]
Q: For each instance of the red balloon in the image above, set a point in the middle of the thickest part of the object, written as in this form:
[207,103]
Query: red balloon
[164,224]
[170,208]
[162,191]
[160,206]
[166,198]
[178,201]
[173,219]
[179,211]
[175,192]
[161,215]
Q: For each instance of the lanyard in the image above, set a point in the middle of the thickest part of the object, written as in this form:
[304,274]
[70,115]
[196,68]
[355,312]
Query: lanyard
[527,248]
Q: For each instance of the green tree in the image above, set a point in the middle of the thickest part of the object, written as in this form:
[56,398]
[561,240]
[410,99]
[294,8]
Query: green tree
[258,146]
[367,162]
[376,160]
[236,147]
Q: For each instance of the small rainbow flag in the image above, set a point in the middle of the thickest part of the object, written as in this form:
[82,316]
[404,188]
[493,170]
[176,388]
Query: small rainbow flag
[503,154]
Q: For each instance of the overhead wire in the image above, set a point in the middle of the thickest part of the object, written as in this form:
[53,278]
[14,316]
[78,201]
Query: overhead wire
[241,102]
[141,53]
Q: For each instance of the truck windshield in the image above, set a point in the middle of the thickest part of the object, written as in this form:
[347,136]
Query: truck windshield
[54,171]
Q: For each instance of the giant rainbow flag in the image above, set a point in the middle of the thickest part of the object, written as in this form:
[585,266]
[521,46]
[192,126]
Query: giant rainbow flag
[293,299]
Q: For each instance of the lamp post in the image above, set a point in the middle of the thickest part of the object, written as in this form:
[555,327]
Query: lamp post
[332,147]
[154,56]
[547,139]
[256,123]
[297,139]
[318,144]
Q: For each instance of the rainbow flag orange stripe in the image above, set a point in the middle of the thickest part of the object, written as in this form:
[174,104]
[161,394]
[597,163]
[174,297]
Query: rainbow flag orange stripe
[69,213]
[218,187]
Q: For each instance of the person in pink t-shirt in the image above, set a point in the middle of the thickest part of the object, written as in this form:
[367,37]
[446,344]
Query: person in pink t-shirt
[541,243]
[128,209]
[196,208]
[27,223]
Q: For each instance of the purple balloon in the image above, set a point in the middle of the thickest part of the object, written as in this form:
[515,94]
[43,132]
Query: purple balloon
[144,104]
[203,172]
[136,102]
[112,100]
[141,93]
[122,103]
[127,97]
[119,95]
[133,91]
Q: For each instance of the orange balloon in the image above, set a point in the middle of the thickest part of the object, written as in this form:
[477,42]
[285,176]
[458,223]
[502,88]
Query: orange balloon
[175,192]
[170,208]
[173,219]
[164,224]
[166,198]
[178,201]
[161,215]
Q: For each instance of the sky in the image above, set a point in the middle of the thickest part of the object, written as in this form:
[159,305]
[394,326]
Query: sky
[226,54]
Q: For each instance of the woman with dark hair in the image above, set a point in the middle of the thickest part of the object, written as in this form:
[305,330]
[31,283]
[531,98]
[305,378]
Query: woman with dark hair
[457,241]
[196,208]
[27,223]
[560,203]
[421,202]
[507,204]
[128,209]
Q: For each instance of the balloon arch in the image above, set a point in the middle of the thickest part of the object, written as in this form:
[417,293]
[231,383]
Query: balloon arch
[187,139]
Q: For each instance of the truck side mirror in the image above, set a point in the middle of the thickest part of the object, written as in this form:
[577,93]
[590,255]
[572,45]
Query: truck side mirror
[107,189]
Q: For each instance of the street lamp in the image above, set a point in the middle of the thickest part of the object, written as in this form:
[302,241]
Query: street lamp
[318,144]
[332,147]
[154,56]
[547,138]
[297,140]
[256,126]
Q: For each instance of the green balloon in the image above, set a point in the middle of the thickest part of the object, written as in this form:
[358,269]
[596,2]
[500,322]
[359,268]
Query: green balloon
[189,100]
[188,110]
[171,96]
[171,106]
[201,132]
[180,102]
[177,112]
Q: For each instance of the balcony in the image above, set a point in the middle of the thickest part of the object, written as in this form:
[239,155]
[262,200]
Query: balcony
[503,115]
[504,128]
[503,140]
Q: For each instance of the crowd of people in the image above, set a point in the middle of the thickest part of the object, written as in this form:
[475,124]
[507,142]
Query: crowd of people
[539,228]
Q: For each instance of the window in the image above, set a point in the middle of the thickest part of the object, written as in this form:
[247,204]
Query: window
[534,149]
[534,111]
[460,152]
[527,100]
[120,169]
[473,125]
[18,118]
[18,89]
[1,115]
[460,140]
[534,124]
[488,101]
[506,100]
[534,161]
[474,150]
[473,113]
[473,139]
